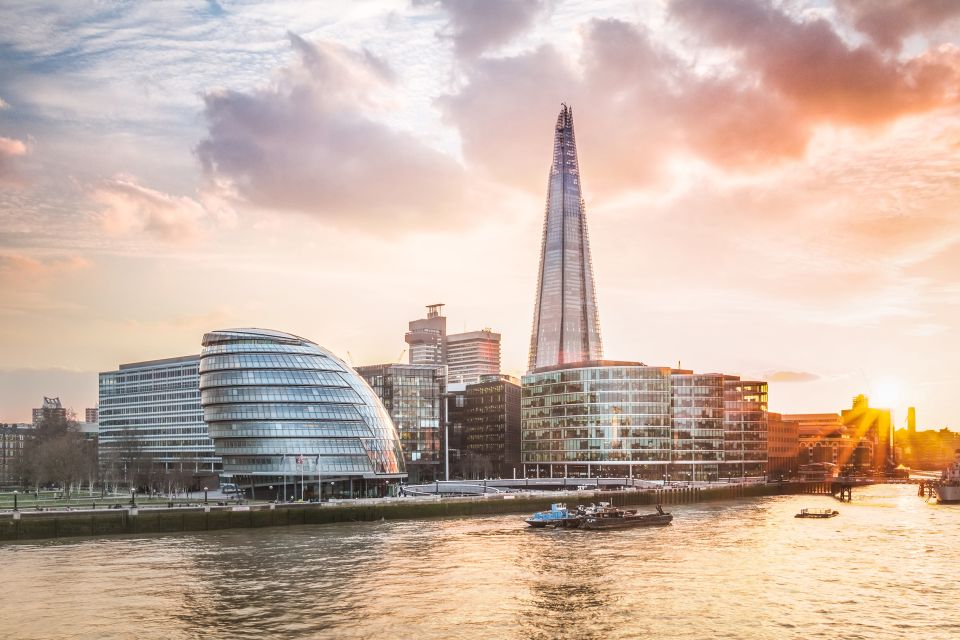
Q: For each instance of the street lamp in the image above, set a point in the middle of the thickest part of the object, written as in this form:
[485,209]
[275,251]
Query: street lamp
[270,489]
[205,495]
[133,496]
[15,492]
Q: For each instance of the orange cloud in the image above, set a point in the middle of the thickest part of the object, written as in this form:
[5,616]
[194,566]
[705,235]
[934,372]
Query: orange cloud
[888,22]
[9,148]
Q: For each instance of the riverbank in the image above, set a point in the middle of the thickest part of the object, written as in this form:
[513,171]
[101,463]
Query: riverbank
[28,525]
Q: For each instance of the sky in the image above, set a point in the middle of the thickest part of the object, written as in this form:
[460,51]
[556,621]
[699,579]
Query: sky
[772,188]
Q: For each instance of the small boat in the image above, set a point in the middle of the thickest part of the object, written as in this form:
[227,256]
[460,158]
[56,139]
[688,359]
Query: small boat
[608,517]
[817,513]
[552,518]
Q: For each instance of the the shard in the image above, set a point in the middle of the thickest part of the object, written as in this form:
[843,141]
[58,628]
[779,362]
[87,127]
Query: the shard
[566,324]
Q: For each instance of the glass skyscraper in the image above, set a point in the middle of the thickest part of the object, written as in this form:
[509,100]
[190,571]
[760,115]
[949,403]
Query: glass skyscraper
[566,324]
[279,406]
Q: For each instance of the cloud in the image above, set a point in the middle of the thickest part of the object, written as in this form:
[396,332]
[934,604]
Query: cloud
[889,22]
[127,207]
[4,104]
[475,26]
[9,148]
[312,142]
[790,376]
[21,269]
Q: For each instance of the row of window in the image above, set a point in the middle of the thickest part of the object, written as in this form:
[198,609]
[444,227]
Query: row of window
[280,394]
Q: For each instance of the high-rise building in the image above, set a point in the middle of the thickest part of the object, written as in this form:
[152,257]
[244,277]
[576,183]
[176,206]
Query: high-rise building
[13,441]
[491,435]
[455,409]
[472,355]
[744,427]
[427,338]
[150,419]
[280,407]
[566,323]
[696,419]
[783,446]
[90,415]
[51,408]
[413,396]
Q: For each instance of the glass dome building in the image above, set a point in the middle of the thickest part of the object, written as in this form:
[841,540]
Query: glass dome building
[284,412]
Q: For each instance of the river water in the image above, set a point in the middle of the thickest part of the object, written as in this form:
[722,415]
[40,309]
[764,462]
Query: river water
[887,567]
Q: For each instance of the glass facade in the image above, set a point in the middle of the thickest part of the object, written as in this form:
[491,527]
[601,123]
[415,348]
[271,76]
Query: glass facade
[597,419]
[412,395]
[745,427]
[279,406]
[566,325]
[492,429]
[150,414]
[697,417]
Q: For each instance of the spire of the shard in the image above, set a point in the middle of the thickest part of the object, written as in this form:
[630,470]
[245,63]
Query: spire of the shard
[566,325]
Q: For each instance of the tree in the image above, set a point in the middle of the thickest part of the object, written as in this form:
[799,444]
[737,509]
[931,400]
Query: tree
[58,453]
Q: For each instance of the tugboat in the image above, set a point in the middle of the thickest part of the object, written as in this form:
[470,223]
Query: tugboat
[948,488]
[817,513]
[607,517]
[554,517]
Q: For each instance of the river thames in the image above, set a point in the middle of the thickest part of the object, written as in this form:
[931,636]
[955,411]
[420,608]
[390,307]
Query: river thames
[885,568]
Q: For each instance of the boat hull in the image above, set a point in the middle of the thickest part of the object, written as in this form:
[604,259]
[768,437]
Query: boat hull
[948,494]
[627,522]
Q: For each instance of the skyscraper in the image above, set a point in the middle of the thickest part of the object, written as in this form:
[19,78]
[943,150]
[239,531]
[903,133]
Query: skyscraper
[566,324]
[471,355]
[427,337]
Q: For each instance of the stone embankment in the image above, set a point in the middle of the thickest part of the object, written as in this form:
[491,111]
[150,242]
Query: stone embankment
[30,525]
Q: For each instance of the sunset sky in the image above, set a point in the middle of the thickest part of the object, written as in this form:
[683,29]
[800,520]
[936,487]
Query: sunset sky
[772,189]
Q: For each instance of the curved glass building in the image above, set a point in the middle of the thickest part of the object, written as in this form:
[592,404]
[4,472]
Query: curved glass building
[284,412]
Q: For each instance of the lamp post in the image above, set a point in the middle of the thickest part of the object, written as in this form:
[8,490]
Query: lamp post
[133,496]
[277,499]
[205,495]
[15,492]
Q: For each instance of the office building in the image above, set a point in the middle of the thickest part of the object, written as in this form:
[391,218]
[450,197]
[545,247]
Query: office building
[51,409]
[783,446]
[455,410]
[592,419]
[90,415]
[427,338]
[413,396]
[491,435]
[697,425]
[745,429]
[566,324]
[13,441]
[150,420]
[472,355]
[284,411]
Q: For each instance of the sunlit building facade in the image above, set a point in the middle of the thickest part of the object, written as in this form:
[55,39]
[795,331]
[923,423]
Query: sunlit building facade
[413,396]
[283,410]
[150,415]
[696,418]
[600,418]
[427,338]
[566,324]
[745,429]
[472,355]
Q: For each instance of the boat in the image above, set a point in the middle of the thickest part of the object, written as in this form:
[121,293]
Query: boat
[948,487]
[552,518]
[817,513]
[608,517]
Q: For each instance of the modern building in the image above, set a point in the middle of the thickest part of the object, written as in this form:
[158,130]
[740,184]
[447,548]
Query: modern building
[491,436]
[51,408]
[13,439]
[783,446]
[90,415]
[455,410]
[697,425]
[285,412]
[150,420]
[566,323]
[413,396]
[427,338]
[745,429]
[601,418]
[472,355]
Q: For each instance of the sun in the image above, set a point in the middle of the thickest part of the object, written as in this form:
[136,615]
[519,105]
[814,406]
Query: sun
[887,394]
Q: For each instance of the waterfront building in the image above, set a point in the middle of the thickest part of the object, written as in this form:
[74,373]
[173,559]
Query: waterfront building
[601,418]
[51,408]
[90,415]
[492,430]
[427,338]
[285,412]
[413,395]
[566,323]
[872,427]
[745,429]
[697,425]
[472,355]
[150,419]
[858,439]
[455,412]
[783,446]
[13,441]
